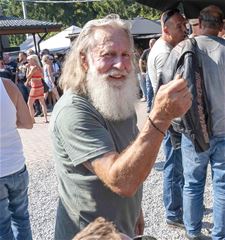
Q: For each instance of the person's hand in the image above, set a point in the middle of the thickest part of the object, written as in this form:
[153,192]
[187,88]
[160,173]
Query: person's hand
[173,99]
[27,83]
[53,85]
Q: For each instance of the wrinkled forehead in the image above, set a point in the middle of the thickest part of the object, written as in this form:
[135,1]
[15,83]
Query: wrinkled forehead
[178,18]
[115,38]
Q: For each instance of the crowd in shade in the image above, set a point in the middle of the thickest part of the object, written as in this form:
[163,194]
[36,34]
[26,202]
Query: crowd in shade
[37,77]
[101,157]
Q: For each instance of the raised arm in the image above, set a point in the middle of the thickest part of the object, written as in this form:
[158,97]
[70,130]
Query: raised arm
[123,173]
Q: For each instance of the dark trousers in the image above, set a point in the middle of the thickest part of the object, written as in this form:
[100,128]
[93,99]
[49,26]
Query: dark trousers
[24,90]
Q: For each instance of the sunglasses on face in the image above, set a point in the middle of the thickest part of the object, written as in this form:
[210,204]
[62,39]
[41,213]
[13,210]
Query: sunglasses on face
[168,14]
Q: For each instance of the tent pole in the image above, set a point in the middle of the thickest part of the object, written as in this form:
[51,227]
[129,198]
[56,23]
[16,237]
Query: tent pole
[41,39]
[35,43]
[1,47]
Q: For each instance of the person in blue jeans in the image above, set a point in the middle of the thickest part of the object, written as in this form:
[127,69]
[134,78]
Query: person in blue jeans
[173,31]
[142,84]
[149,92]
[146,85]
[173,183]
[97,147]
[14,216]
[211,55]
[195,171]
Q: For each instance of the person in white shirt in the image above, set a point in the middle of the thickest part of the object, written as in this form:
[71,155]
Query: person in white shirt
[173,31]
[14,215]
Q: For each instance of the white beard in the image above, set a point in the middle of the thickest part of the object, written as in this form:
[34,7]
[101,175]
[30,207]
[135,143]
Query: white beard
[113,99]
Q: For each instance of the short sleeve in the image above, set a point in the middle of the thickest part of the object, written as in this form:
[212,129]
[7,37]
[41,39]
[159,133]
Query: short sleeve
[160,61]
[83,134]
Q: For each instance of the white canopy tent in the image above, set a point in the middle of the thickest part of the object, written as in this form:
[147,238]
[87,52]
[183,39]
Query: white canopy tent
[60,40]
[29,42]
[55,43]
[141,27]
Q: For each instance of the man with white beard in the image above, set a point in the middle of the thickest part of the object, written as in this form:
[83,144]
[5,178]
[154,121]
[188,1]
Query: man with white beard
[101,160]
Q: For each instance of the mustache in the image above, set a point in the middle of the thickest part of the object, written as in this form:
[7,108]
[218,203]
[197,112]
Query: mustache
[115,72]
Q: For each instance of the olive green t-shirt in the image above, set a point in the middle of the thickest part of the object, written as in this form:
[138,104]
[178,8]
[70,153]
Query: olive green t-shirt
[79,134]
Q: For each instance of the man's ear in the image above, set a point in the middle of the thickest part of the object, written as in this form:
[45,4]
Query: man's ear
[84,62]
[200,24]
[221,27]
[166,30]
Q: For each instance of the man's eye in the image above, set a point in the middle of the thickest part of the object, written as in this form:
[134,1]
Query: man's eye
[107,54]
[126,55]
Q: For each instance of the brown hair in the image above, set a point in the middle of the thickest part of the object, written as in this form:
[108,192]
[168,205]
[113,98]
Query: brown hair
[211,17]
[98,230]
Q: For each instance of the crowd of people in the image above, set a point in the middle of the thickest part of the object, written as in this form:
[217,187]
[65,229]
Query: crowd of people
[21,88]
[36,76]
[101,158]
[183,205]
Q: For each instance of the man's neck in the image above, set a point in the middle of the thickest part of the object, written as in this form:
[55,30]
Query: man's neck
[168,40]
[210,32]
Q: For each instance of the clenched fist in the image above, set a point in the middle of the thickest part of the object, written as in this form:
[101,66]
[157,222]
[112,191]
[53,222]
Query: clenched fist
[173,99]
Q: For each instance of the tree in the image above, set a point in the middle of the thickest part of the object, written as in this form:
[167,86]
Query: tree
[127,9]
[75,13]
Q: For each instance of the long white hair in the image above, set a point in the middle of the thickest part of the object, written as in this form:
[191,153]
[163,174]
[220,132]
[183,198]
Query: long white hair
[73,74]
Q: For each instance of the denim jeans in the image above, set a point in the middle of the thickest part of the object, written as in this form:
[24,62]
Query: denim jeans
[142,84]
[149,92]
[14,216]
[195,172]
[173,180]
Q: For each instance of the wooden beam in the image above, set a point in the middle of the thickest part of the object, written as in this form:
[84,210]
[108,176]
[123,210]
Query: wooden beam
[27,30]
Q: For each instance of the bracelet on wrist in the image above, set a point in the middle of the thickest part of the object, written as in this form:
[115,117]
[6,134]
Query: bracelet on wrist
[153,124]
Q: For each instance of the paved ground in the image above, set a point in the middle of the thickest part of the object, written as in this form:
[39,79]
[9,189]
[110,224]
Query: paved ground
[43,187]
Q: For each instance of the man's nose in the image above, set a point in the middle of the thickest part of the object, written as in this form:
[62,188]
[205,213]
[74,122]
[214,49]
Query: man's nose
[119,62]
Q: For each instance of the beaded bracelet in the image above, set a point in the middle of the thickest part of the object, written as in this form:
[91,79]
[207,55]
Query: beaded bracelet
[153,124]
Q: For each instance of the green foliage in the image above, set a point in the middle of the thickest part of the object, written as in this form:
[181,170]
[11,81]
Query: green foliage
[75,13]
[127,9]
[11,8]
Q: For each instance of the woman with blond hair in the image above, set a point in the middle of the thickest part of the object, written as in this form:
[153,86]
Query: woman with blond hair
[34,79]
[49,78]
